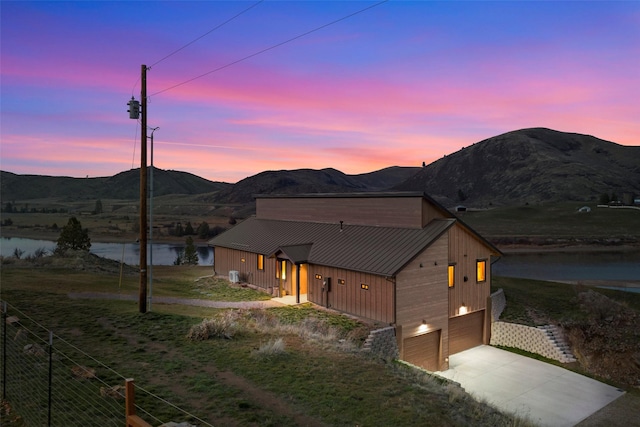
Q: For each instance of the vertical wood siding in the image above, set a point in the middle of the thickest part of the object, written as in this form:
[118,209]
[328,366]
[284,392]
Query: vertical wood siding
[231,259]
[464,250]
[422,294]
[376,303]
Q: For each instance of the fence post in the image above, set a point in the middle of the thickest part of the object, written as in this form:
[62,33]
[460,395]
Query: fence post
[50,375]
[4,350]
[129,399]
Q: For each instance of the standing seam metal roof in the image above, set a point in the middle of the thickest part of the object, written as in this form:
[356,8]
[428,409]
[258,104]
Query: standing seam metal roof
[377,250]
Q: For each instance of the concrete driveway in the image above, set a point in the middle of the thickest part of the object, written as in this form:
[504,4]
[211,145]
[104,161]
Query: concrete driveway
[545,394]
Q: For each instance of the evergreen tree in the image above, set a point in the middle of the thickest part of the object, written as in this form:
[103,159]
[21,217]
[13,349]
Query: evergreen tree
[203,230]
[98,208]
[188,229]
[74,237]
[190,252]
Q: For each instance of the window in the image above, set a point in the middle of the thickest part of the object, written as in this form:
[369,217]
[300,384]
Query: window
[260,262]
[452,275]
[281,269]
[481,270]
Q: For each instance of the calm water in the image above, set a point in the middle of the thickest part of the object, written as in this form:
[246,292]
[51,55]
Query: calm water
[571,266]
[129,253]
[544,266]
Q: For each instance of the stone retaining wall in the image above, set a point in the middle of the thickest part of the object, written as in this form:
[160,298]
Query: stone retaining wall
[382,343]
[544,340]
[498,304]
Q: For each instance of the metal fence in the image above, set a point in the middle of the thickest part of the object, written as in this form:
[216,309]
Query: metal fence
[47,381]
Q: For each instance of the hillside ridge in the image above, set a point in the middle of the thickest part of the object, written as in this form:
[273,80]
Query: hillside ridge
[533,165]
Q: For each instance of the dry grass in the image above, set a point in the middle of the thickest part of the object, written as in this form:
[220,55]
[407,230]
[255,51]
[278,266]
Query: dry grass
[273,348]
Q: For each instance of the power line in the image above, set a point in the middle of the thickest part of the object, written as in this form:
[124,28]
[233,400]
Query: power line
[207,33]
[270,48]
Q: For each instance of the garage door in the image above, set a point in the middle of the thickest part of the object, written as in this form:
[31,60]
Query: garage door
[465,331]
[423,350]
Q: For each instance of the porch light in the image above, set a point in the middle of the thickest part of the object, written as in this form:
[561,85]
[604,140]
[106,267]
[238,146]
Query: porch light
[463,309]
[423,327]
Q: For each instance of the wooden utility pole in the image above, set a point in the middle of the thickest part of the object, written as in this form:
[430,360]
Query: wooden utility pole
[142,295]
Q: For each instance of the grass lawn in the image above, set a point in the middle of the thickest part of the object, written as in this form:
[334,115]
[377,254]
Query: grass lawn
[313,380]
[557,220]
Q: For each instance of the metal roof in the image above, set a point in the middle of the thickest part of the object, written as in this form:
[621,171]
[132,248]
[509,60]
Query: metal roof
[377,250]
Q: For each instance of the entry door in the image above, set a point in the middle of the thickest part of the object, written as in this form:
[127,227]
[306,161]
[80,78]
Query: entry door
[303,278]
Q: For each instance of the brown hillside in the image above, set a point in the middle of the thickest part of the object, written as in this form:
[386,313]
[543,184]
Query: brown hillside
[531,166]
[313,181]
[125,185]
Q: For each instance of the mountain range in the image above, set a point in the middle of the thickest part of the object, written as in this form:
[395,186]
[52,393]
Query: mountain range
[524,166]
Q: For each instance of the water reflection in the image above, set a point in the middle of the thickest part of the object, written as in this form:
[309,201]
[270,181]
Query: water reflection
[129,253]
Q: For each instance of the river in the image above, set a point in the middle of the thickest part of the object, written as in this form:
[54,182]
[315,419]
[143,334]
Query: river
[129,253]
[570,266]
[558,266]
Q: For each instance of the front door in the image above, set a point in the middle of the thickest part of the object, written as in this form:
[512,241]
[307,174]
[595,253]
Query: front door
[303,278]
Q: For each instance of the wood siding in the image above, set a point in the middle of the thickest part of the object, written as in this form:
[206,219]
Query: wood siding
[375,303]
[464,250]
[403,212]
[429,213]
[422,296]
[226,260]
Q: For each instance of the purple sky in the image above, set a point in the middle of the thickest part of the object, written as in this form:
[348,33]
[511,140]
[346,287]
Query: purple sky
[398,84]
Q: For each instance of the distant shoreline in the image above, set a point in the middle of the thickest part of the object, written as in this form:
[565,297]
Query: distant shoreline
[97,238]
[50,235]
[524,249]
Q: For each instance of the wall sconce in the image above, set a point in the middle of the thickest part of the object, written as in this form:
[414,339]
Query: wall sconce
[463,309]
[242,260]
[420,265]
[423,327]
[435,262]
[466,279]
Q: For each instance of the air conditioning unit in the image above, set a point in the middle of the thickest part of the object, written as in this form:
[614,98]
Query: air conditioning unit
[234,276]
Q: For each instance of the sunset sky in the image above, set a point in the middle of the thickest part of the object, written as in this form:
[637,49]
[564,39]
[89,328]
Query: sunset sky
[397,84]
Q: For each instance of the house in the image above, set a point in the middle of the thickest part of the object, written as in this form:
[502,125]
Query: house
[397,258]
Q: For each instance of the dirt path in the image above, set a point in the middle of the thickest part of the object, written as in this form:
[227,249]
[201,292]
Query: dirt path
[260,397]
[180,301]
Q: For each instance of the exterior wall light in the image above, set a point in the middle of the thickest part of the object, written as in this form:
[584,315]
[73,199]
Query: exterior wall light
[463,309]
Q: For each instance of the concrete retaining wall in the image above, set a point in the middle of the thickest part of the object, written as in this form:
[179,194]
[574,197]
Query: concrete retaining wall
[382,343]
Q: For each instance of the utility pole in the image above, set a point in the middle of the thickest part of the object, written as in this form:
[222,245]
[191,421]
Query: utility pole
[142,294]
[151,221]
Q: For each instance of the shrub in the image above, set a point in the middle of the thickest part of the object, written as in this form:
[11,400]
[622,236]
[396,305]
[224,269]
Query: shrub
[273,348]
[40,252]
[224,325]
